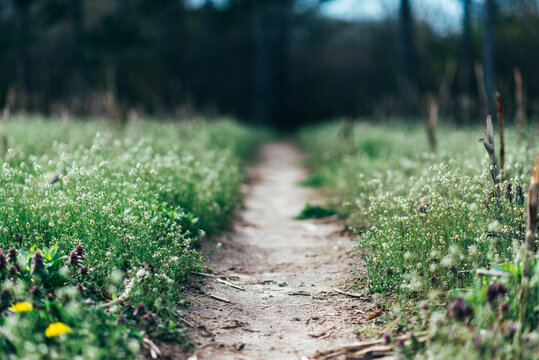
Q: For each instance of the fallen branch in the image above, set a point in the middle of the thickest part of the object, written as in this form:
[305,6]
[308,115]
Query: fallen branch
[367,348]
[188,323]
[202,274]
[124,296]
[497,234]
[230,284]
[491,273]
[299,293]
[219,298]
[349,294]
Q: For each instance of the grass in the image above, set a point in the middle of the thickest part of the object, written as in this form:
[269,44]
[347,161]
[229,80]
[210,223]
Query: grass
[315,212]
[425,222]
[135,198]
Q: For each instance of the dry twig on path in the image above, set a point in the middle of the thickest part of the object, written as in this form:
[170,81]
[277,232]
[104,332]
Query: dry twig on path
[219,298]
[359,296]
[230,284]
[367,349]
[299,293]
[202,274]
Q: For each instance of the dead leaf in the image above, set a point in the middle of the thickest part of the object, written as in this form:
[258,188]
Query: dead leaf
[374,314]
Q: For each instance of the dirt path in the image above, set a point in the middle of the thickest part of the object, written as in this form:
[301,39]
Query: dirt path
[288,269]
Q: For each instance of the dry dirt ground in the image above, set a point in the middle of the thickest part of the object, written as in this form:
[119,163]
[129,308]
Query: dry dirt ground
[287,270]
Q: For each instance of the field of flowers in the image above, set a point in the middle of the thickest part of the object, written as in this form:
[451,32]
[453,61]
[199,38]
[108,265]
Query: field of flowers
[91,212]
[426,222]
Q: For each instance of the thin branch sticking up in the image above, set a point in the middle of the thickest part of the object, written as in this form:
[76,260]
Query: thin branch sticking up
[489,146]
[500,129]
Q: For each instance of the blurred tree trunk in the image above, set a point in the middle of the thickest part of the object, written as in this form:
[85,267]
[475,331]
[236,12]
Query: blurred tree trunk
[466,62]
[208,49]
[271,23]
[22,77]
[80,78]
[409,86]
[488,54]
[171,43]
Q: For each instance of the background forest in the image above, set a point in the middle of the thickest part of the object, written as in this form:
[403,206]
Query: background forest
[278,62]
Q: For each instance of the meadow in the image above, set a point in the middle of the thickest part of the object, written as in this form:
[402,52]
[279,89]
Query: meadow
[92,214]
[437,237]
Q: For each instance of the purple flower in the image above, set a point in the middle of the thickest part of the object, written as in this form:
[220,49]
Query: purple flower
[73,259]
[3,261]
[520,195]
[38,264]
[83,271]
[35,291]
[14,270]
[495,291]
[81,288]
[511,330]
[387,338]
[458,309]
[140,310]
[12,255]
[79,250]
[503,308]
[148,319]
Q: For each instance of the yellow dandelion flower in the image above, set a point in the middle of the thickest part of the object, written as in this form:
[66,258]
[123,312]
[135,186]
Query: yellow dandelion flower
[22,307]
[57,329]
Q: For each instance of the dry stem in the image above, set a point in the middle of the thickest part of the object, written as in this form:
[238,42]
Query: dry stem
[489,146]
[500,129]
[431,124]
[529,245]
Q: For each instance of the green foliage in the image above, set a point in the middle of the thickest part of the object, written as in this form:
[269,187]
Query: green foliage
[489,327]
[426,222]
[135,200]
[315,212]
[38,293]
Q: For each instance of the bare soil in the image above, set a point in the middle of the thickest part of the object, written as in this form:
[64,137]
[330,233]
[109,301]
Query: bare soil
[287,268]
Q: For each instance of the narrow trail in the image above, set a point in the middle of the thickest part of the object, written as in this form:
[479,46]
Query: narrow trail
[288,269]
